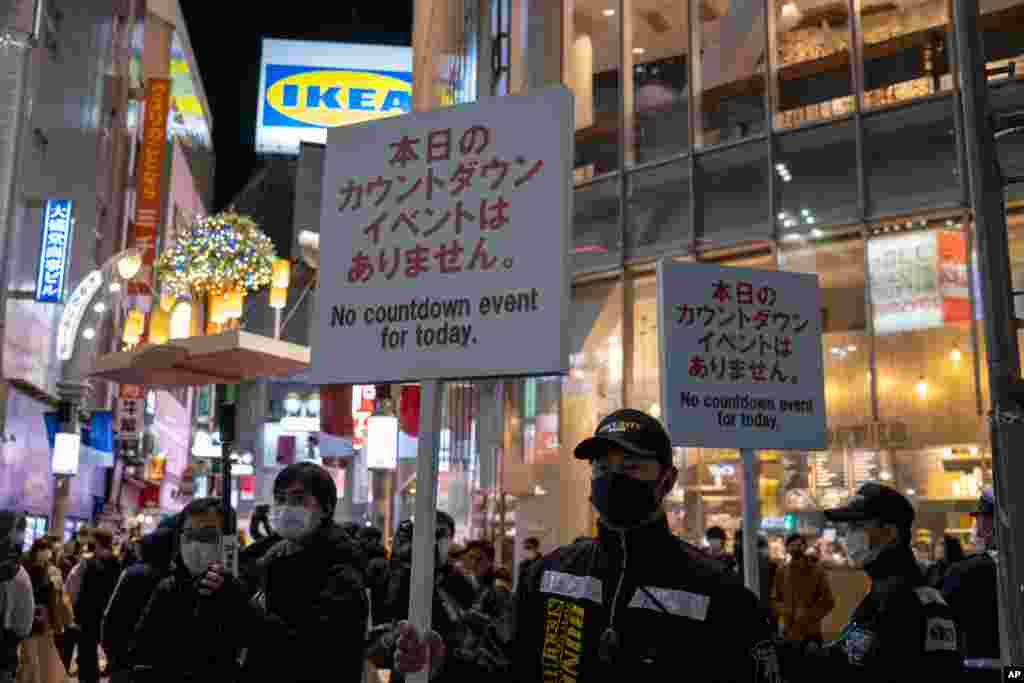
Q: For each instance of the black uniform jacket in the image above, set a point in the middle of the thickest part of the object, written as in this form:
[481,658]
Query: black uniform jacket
[672,608]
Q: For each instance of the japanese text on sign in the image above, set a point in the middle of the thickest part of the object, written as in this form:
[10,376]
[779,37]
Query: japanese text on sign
[448,235]
[741,357]
[149,172]
[53,251]
[405,206]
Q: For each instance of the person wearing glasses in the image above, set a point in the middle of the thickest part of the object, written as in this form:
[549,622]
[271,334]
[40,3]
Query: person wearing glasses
[193,627]
[902,625]
[636,603]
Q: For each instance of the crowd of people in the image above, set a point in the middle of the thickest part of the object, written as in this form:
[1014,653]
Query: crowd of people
[314,601]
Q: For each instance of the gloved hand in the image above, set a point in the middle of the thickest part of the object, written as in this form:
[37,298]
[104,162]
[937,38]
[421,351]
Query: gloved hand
[413,652]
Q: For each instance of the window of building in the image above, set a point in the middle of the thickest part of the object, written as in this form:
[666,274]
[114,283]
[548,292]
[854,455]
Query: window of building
[729,41]
[733,188]
[1000,23]
[658,56]
[811,78]
[905,50]
[816,179]
[596,233]
[594,75]
[658,206]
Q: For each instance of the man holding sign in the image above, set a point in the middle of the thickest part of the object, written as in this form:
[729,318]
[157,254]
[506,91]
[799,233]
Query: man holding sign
[622,605]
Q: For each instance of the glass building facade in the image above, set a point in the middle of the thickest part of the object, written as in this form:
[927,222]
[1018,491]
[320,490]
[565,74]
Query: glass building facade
[814,136]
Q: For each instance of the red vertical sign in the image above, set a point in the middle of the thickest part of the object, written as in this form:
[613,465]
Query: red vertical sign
[148,181]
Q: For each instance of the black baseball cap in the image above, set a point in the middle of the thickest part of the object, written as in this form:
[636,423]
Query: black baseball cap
[635,432]
[875,502]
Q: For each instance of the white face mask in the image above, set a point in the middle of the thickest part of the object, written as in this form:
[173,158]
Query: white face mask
[199,556]
[293,521]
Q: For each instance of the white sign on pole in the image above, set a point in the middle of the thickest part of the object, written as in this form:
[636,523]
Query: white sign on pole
[447,235]
[741,357]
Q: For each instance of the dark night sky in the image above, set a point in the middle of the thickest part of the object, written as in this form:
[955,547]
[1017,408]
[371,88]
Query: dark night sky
[228,53]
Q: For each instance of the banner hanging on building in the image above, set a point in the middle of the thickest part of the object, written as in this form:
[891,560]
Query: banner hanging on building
[919,281]
[448,234]
[149,182]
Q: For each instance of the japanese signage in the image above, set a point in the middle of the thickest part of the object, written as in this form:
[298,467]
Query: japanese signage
[130,404]
[53,251]
[448,239]
[149,181]
[71,317]
[308,87]
[919,280]
[741,357]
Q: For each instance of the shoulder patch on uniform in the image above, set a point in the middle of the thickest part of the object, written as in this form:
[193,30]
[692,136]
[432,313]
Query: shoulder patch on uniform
[572,586]
[677,602]
[930,596]
[940,635]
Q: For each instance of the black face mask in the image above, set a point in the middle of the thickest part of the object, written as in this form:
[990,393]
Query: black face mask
[623,502]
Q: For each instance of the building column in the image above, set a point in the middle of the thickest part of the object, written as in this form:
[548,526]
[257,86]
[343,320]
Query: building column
[75,395]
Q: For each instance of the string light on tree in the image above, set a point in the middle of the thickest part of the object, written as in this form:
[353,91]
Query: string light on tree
[222,253]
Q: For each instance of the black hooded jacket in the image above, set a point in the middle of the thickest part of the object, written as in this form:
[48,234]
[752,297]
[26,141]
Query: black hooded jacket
[133,591]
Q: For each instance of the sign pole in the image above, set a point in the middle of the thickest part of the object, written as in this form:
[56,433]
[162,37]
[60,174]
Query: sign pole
[751,520]
[424,538]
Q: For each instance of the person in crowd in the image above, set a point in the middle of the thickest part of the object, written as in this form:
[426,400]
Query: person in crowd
[259,523]
[619,607]
[39,661]
[97,579]
[717,540]
[503,584]
[130,598]
[801,595]
[531,554]
[199,607]
[472,645]
[480,561]
[971,588]
[17,598]
[902,626]
[313,588]
[63,617]
[377,563]
[948,552]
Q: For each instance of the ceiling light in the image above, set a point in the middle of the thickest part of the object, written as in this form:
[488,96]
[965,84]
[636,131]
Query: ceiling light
[806,212]
[100,307]
[638,50]
[782,215]
[810,219]
[816,233]
[922,388]
[88,333]
[955,355]
[851,348]
[791,236]
[790,223]
[115,287]
[609,13]
[780,167]
[911,492]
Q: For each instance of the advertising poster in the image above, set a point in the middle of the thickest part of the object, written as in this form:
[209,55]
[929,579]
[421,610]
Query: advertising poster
[918,281]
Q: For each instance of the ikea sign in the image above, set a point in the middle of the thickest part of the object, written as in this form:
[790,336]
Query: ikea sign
[309,87]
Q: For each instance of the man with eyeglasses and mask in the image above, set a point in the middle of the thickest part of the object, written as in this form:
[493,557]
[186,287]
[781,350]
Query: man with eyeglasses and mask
[17,601]
[902,626]
[636,603]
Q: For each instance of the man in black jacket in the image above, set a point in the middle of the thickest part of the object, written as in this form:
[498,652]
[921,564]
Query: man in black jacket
[971,588]
[130,597]
[194,626]
[312,622]
[99,577]
[902,626]
[636,602]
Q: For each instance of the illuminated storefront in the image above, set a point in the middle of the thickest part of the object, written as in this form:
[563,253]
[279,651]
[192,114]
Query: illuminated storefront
[813,137]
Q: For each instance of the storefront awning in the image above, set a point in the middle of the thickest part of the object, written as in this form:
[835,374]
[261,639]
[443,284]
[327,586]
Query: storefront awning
[225,358]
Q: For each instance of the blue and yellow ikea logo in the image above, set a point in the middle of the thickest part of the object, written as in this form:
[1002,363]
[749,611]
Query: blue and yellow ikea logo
[319,97]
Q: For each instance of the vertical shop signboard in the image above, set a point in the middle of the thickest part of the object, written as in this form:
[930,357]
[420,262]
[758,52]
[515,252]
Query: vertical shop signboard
[54,247]
[129,421]
[741,357]
[149,181]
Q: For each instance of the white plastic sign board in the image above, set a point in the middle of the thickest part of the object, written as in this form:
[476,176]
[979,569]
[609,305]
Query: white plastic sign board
[445,242]
[741,357]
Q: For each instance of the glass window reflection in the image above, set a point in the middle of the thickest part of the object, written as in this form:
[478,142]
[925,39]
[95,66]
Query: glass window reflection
[659,211]
[816,179]
[594,75]
[595,230]
[729,72]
